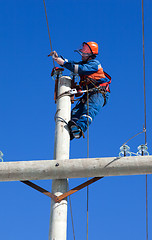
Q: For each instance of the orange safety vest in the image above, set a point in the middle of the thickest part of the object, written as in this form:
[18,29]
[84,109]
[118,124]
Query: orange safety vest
[94,77]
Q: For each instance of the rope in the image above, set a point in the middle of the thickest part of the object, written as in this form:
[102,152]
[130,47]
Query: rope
[145,120]
[48,30]
[95,86]
[88,148]
[87,157]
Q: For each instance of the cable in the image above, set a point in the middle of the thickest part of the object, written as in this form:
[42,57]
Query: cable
[48,30]
[144,70]
[88,150]
[87,157]
[145,120]
[146,209]
[134,136]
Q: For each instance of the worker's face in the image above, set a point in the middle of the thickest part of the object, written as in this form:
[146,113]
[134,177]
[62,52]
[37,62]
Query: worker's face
[84,57]
[85,52]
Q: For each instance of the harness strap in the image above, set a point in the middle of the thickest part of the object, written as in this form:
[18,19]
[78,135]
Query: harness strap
[105,87]
[108,76]
[102,88]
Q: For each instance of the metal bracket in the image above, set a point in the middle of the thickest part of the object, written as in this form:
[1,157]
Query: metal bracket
[78,188]
[73,91]
[42,190]
[64,195]
[56,73]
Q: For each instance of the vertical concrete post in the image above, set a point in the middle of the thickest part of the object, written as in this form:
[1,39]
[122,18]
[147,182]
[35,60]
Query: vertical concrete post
[58,219]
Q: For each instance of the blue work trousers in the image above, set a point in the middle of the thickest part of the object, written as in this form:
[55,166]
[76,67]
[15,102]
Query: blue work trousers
[80,115]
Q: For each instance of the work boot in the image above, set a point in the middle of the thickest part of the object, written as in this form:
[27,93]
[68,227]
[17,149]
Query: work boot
[75,130]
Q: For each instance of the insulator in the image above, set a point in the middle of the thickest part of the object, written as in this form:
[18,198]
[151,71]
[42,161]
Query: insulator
[57,74]
[124,151]
[142,150]
[1,156]
[54,77]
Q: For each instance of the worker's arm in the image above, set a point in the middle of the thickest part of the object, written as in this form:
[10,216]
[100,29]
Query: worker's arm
[82,68]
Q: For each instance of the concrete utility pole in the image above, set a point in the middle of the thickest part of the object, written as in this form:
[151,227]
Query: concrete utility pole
[58,219]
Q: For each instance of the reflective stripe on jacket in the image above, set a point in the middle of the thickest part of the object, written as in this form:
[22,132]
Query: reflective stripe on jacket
[91,69]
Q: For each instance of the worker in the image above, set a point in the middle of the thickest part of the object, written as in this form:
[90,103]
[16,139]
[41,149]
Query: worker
[94,80]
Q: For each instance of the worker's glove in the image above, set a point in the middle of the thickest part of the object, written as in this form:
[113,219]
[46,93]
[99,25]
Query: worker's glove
[54,55]
[59,60]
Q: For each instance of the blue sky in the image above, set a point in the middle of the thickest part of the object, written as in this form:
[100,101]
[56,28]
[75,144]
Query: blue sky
[116,204]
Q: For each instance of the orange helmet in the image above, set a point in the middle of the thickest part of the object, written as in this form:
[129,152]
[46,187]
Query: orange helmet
[93,46]
[89,49]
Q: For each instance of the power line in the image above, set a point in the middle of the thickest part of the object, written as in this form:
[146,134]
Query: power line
[145,120]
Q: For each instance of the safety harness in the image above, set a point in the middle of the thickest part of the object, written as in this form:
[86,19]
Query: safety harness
[76,90]
[94,86]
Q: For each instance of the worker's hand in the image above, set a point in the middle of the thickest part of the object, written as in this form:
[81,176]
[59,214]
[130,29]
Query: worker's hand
[53,54]
[60,61]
